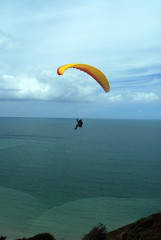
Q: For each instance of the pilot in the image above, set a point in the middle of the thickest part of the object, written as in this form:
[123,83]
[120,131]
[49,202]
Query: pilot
[79,123]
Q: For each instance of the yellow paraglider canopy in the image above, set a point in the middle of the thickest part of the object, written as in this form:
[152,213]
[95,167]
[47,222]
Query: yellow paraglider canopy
[92,71]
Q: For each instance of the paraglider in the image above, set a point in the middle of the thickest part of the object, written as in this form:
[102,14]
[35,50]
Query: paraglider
[92,71]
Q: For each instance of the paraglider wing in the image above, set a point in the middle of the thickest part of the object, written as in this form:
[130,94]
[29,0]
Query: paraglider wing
[92,71]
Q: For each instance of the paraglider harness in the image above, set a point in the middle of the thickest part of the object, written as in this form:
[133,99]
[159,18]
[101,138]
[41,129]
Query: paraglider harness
[79,123]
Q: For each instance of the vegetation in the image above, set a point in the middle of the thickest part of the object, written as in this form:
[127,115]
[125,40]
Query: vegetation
[42,236]
[2,238]
[97,233]
[145,229]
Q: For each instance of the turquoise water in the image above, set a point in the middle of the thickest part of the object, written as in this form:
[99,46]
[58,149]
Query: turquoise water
[64,181]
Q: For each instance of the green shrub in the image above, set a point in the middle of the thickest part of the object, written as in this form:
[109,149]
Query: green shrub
[41,236]
[133,236]
[97,233]
[2,238]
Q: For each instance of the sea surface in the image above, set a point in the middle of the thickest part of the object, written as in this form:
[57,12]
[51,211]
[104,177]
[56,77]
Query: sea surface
[56,179]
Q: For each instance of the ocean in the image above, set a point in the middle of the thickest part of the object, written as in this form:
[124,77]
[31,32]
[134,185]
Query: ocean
[56,179]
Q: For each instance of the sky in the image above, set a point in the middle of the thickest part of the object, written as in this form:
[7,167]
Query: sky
[121,38]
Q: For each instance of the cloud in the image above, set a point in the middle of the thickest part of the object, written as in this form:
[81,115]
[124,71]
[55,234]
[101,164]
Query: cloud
[47,85]
[22,87]
[144,97]
[74,85]
[110,97]
[140,85]
[122,39]
[6,41]
[77,30]
[115,98]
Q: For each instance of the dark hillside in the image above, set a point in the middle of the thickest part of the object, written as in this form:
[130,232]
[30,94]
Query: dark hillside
[148,228]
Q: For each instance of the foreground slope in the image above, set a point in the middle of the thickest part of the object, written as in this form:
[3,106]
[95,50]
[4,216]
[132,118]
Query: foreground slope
[148,228]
